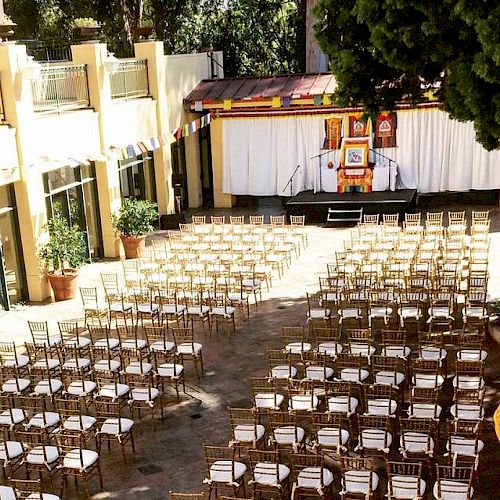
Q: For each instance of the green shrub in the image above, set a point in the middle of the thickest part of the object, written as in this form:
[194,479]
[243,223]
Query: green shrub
[135,217]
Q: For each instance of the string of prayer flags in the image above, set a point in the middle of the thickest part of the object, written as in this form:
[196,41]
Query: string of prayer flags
[385,131]
[227,104]
[276,102]
[287,100]
[318,100]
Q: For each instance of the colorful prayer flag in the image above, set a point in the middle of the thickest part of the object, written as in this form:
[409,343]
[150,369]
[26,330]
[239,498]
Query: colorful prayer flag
[198,106]
[227,104]
[287,101]
[318,100]
[276,102]
[130,151]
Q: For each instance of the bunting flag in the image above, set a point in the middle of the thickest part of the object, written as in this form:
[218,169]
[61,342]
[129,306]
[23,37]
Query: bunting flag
[333,133]
[276,102]
[287,100]
[385,131]
[318,100]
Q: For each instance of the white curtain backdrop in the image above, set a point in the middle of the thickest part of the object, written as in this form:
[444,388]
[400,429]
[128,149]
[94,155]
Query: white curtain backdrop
[433,154]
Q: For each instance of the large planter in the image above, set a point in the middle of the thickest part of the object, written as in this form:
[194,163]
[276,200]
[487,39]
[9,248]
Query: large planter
[143,32]
[7,30]
[133,245]
[63,285]
[87,33]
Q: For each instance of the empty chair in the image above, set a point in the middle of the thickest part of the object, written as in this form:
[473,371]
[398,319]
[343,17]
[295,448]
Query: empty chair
[187,348]
[381,399]
[31,489]
[280,364]
[394,344]
[353,367]
[269,474]
[453,482]
[312,478]
[358,480]
[418,438]
[331,433]
[342,397]
[375,435]
[424,403]
[223,470]
[388,370]
[286,432]
[405,481]
[265,395]
[246,428]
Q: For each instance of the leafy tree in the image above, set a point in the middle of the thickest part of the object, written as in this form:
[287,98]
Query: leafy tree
[384,51]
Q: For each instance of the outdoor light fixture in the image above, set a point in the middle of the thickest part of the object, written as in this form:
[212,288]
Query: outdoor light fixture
[111,63]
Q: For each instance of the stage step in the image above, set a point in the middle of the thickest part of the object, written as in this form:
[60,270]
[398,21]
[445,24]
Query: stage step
[346,215]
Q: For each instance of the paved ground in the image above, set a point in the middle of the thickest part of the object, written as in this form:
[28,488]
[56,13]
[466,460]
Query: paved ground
[169,453]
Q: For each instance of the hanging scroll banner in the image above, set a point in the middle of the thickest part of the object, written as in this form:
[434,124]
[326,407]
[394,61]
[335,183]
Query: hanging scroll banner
[385,131]
[333,133]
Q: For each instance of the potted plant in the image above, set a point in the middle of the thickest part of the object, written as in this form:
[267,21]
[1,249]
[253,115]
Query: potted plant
[145,30]
[62,254]
[87,27]
[134,221]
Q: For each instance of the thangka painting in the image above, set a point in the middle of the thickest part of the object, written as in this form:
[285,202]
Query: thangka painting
[354,174]
[357,127]
[385,131]
[333,133]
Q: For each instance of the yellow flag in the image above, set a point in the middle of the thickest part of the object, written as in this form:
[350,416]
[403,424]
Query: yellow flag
[227,104]
[276,102]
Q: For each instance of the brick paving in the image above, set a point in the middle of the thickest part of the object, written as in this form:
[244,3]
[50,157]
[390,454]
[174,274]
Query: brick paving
[169,453]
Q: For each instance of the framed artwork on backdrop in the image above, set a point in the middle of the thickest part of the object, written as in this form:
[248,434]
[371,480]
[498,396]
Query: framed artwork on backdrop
[355,153]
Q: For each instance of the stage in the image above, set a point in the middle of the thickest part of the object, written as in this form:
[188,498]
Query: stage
[315,205]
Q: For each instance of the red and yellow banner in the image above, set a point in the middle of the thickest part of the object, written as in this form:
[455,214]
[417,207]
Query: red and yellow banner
[333,133]
[385,131]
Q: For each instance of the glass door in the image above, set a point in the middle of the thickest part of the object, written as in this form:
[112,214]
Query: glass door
[179,175]
[12,272]
[137,178]
[73,193]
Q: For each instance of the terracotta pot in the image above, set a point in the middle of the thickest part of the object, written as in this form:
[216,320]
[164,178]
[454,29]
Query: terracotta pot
[64,285]
[143,31]
[133,245]
[88,32]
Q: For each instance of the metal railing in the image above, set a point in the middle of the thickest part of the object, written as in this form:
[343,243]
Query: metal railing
[130,80]
[61,88]
[50,50]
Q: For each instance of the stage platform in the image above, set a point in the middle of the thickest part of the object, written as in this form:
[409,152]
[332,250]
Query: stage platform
[315,205]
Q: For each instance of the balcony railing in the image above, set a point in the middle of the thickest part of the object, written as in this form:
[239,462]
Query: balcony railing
[130,80]
[61,88]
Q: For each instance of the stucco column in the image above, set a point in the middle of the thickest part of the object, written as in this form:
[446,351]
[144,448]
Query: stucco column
[221,199]
[30,199]
[93,56]
[193,165]
[154,53]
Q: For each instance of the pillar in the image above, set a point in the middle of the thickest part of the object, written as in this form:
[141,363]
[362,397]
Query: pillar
[221,199]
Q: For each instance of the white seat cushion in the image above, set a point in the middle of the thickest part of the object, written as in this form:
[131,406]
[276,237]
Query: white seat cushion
[147,308]
[469,447]
[467,411]
[173,309]
[194,310]
[319,373]
[342,404]
[110,343]
[22,361]
[81,387]
[76,364]
[134,344]
[270,475]
[429,380]
[433,353]
[43,420]
[189,348]
[138,368]
[12,417]
[409,312]
[319,313]
[114,426]
[36,455]
[47,364]
[440,312]
[78,342]
[16,385]
[42,496]
[416,442]
[50,342]
[468,382]
[472,354]
[331,437]
[330,348]
[407,487]
[424,410]
[298,347]
[73,459]
[304,402]
[375,439]
[227,311]
[247,433]
[382,407]
[7,493]
[108,365]
[13,449]
[114,390]
[289,434]
[268,400]
[118,307]
[363,349]
[310,477]
[48,386]
[170,370]
[452,490]
[358,481]
[283,371]
[144,394]
[225,471]
[353,374]
[161,346]
[79,423]
[396,351]
[389,378]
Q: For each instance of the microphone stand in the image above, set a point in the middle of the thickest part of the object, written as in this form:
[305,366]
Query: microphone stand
[290,181]
[320,175]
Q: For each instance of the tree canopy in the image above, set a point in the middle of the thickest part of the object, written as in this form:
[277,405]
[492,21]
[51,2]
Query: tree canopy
[386,51]
[257,37]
